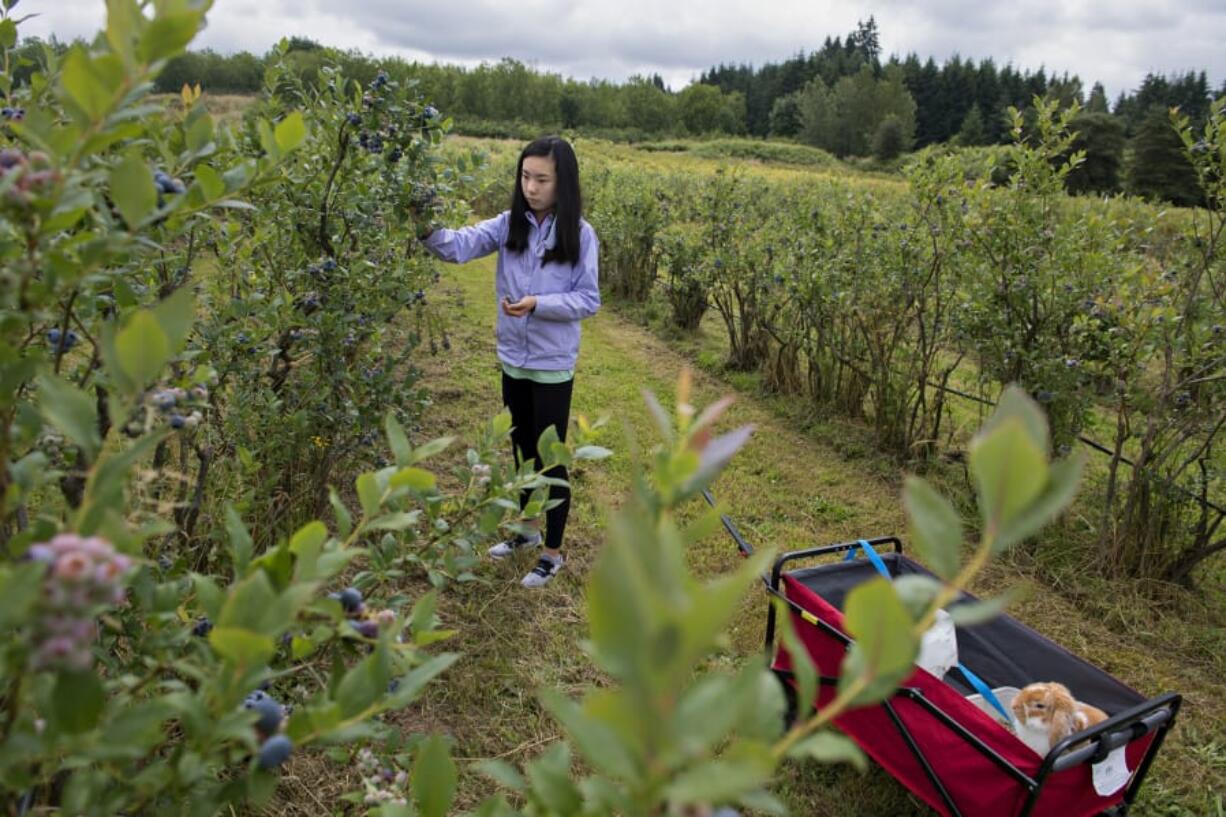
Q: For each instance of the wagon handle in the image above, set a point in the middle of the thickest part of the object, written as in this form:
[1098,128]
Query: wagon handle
[744,547]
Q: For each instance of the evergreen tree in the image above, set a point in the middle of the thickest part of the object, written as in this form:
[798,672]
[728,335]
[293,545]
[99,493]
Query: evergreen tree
[1098,99]
[1101,136]
[1158,169]
[889,141]
[973,131]
[785,119]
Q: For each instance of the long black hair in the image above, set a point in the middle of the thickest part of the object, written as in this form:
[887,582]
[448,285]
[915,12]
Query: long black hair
[567,210]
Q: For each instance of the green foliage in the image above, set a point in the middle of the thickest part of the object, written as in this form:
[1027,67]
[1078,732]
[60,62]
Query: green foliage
[1158,168]
[672,735]
[158,273]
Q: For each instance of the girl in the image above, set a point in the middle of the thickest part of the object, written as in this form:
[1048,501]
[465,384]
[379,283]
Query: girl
[546,282]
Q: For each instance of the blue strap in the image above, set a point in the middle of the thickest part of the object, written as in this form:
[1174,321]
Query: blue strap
[872,557]
[986,691]
[974,680]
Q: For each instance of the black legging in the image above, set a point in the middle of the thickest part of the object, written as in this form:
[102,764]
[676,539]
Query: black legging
[534,407]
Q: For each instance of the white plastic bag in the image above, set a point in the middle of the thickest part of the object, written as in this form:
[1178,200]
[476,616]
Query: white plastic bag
[939,646]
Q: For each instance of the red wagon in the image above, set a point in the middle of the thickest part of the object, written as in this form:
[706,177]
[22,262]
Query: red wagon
[931,738]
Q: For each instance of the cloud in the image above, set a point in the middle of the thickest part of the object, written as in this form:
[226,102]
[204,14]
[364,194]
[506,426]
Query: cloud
[1113,41]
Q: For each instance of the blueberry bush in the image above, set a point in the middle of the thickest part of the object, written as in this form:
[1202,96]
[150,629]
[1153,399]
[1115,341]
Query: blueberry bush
[203,330]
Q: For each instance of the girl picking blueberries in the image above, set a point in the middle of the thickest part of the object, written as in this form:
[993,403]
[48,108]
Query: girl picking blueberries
[545,282]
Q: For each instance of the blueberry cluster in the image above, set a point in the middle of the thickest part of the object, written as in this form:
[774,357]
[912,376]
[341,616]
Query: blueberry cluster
[383,784]
[481,472]
[83,574]
[165,184]
[364,624]
[167,400]
[62,341]
[13,114]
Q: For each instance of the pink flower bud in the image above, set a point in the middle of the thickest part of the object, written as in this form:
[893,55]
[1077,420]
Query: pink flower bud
[73,567]
[386,618]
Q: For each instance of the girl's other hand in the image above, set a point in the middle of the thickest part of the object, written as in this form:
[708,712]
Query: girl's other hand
[518,308]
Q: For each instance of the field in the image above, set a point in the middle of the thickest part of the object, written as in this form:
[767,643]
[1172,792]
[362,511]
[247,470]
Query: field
[254,453]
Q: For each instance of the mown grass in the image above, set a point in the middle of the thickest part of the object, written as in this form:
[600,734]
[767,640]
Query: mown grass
[802,480]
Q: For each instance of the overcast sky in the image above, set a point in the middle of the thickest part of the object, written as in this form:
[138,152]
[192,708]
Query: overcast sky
[1113,41]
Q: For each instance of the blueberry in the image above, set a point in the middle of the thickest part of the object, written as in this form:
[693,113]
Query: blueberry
[71,340]
[275,751]
[270,714]
[393,685]
[177,421]
[202,627]
[54,336]
[431,112]
[164,400]
[6,112]
[350,599]
[329,265]
[366,628]
[165,563]
[255,697]
[394,156]
[177,186]
[354,119]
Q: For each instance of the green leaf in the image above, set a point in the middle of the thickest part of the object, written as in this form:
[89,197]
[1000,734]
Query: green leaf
[398,440]
[916,591]
[369,494]
[240,540]
[600,744]
[132,190]
[970,613]
[502,773]
[71,411]
[418,479]
[1063,479]
[551,780]
[1009,471]
[722,779]
[409,686]
[81,84]
[8,33]
[1016,404]
[434,777]
[364,684]
[344,520]
[244,647]
[176,314]
[592,452]
[211,183]
[429,449]
[884,651]
[77,701]
[828,746]
[290,132]
[803,669]
[936,528]
[168,34]
[249,603]
[143,348]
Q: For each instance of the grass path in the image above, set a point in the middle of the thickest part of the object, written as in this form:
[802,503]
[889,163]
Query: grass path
[792,486]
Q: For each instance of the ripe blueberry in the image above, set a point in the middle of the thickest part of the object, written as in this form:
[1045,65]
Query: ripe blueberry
[275,751]
[203,627]
[269,711]
[350,599]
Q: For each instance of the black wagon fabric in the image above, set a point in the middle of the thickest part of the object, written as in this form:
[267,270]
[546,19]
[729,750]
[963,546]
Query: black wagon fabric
[1002,651]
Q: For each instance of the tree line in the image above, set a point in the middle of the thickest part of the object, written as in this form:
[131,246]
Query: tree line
[842,97]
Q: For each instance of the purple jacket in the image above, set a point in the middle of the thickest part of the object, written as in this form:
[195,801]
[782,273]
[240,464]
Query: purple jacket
[548,337]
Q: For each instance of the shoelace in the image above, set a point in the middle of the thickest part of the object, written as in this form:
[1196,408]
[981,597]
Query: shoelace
[544,568]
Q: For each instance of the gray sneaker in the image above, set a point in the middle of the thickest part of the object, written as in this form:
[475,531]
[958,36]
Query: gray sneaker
[546,568]
[506,547]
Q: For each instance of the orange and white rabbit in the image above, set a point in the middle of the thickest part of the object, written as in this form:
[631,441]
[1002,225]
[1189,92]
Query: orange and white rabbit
[1047,713]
